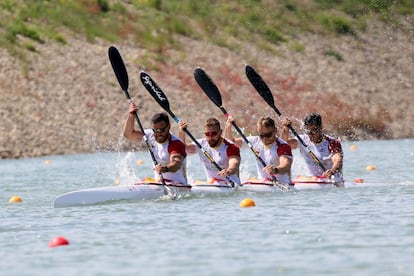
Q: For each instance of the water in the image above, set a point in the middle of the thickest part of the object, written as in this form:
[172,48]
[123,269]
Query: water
[367,230]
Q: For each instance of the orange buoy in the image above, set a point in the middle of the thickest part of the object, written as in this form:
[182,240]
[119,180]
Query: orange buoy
[358,180]
[47,162]
[247,202]
[370,168]
[15,199]
[58,241]
[140,162]
[353,147]
[116,181]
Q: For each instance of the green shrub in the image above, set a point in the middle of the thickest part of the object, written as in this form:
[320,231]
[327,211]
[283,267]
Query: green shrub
[297,47]
[335,23]
[155,22]
[103,5]
[334,54]
[19,28]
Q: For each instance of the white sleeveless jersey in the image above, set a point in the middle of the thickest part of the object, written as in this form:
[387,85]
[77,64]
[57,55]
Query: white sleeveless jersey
[323,151]
[162,153]
[220,154]
[270,155]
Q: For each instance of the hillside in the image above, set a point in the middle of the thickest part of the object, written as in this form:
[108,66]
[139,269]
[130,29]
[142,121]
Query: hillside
[63,98]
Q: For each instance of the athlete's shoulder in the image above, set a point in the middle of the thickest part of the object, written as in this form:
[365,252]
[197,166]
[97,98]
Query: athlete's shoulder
[228,142]
[176,146]
[232,148]
[283,148]
[280,141]
[175,139]
[334,144]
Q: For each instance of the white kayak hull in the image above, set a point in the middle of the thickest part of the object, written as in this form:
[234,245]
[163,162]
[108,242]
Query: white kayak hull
[153,190]
[138,191]
[212,189]
[314,183]
[298,184]
[263,186]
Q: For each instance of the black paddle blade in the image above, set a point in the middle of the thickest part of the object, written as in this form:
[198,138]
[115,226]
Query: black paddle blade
[155,91]
[119,68]
[208,86]
[260,85]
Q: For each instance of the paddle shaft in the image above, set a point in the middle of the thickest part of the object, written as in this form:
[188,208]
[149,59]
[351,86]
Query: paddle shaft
[314,157]
[244,138]
[162,100]
[274,178]
[121,74]
[154,160]
[261,87]
[213,93]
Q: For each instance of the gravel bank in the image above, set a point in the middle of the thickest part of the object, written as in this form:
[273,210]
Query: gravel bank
[68,100]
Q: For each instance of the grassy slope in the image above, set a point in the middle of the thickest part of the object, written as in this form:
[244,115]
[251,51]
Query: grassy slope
[153,23]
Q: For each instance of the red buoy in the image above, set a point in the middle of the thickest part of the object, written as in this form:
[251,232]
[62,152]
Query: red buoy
[58,241]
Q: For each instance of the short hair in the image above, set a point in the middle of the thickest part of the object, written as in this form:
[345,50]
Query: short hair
[160,117]
[266,122]
[212,122]
[313,119]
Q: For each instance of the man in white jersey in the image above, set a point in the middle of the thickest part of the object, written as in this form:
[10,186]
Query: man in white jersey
[168,150]
[327,149]
[275,152]
[225,153]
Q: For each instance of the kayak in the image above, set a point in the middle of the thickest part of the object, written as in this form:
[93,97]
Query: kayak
[212,187]
[139,191]
[150,189]
[256,185]
[303,182]
[147,189]
[298,183]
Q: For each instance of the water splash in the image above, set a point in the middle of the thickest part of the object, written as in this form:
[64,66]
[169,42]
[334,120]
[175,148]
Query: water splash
[125,172]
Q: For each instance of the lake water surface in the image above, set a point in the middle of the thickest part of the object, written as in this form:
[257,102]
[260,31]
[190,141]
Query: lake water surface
[366,230]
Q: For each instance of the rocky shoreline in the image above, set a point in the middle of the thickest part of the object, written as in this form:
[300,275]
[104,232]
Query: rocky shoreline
[68,99]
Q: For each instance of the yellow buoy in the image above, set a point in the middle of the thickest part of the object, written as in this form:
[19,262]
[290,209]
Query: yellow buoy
[116,181]
[140,162]
[353,147]
[371,168]
[15,199]
[247,202]
[47,162]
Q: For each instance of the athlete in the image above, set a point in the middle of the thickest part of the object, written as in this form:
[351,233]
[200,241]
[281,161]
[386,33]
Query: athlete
[276,153]
[168,150]
[327,149]
[225,153]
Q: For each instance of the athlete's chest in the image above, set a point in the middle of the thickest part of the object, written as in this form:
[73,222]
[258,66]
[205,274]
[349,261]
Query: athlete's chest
[321,149]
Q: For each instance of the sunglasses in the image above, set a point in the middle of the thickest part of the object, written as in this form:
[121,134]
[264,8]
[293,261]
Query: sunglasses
[312,132]
[211,133]
[265,135]
[159,130]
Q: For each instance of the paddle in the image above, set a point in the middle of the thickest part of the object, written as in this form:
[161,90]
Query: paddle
[211,90]
[162,100]
[121,74]
[264,91]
